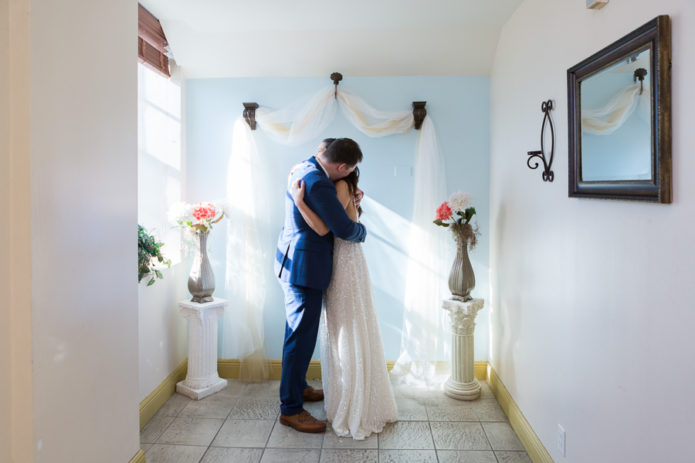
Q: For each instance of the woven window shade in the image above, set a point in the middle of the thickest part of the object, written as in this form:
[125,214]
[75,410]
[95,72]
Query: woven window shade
[152,43]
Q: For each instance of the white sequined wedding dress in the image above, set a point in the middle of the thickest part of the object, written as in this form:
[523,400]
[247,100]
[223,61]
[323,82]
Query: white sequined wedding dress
[359,400]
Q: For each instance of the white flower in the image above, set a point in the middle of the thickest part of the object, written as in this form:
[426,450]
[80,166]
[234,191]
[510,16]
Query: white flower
[179,211]
[459,201]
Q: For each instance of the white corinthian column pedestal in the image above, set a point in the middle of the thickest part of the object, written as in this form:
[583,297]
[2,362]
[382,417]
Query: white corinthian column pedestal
[462,383]
[202,379]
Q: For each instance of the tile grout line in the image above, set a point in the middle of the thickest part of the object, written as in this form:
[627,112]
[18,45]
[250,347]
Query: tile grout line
[488,439]
[434,444]
[272,428]
[215,436]
[156,441]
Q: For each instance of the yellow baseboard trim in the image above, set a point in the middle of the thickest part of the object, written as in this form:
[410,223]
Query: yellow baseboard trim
[139,457]
[158,397]
[229,368]
[533,445]
[480,370]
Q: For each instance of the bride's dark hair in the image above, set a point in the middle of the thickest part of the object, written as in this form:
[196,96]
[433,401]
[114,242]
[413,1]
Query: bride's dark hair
[352,181]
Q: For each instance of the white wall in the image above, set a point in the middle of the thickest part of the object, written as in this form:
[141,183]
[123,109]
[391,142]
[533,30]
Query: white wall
[592,300]
[16,389]
[162,330]
[5,245]
[84,215]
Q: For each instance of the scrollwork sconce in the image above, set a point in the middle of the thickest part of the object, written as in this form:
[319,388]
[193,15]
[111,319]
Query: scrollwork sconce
[548,174]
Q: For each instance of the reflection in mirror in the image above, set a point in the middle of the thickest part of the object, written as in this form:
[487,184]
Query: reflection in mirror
[616,121]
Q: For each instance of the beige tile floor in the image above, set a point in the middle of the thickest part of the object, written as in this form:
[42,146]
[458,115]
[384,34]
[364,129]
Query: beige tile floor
[240,424]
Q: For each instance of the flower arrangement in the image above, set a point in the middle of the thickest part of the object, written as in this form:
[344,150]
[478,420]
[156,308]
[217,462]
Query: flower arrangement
[149,250]
[198,218]
[457,214]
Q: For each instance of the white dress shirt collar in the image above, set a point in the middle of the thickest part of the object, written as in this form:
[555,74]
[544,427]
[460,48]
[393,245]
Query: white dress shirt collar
[323,168]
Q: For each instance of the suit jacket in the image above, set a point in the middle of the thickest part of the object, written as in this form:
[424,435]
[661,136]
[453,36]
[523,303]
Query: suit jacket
[303,257]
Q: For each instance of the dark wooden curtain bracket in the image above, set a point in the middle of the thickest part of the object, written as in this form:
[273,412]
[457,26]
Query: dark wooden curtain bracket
[336,77]
[250,114]
[419,113]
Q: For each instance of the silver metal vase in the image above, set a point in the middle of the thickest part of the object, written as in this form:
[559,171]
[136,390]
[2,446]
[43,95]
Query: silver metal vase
[201,281]
[461,277]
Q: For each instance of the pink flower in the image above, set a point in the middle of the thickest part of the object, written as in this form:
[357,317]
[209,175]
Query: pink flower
[203,211]
[443,212]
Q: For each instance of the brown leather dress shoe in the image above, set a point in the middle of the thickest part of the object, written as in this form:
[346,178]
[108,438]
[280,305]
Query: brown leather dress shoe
[303,422]
[313,395]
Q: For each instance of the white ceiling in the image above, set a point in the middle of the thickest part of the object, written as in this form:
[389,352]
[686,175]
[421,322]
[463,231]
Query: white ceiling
[292,38]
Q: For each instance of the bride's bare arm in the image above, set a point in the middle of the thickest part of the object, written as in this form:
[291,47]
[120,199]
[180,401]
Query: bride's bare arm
[311,218]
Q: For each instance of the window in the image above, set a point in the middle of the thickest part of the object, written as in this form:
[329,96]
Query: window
[159,157]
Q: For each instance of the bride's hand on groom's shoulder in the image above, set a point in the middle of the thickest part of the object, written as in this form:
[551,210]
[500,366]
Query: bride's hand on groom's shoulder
[359,194]
[297,191]
[289,176]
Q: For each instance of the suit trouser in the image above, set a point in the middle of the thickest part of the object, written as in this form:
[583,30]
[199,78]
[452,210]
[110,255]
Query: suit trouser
[303,312]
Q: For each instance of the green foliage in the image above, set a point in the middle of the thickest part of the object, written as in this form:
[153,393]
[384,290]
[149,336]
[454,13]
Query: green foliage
[464,217]
[468,214]
[149,252]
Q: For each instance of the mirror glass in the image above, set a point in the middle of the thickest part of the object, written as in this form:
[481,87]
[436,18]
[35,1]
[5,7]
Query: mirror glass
[616,130]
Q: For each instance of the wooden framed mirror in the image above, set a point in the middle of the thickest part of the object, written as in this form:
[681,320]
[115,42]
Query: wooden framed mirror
[619,104]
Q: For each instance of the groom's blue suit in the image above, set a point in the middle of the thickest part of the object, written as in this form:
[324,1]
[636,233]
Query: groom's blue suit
[304,263]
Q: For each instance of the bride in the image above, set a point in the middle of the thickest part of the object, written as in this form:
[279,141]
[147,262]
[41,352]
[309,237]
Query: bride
[358,395]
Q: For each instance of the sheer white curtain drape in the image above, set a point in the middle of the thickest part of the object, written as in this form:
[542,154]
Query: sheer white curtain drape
[247,256]
[610,117]
[424,338]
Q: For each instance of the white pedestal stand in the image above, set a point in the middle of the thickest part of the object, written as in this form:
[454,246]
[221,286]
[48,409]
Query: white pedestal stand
[462,383]
[202,378]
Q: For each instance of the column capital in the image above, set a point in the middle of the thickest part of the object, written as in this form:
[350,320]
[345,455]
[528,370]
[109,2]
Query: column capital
[205,310]
[463,314]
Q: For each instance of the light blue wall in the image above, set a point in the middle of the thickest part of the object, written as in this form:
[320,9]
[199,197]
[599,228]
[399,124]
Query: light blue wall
[459,107]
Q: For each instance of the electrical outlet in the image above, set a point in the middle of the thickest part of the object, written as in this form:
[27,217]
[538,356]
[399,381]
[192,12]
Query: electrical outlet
[561,440]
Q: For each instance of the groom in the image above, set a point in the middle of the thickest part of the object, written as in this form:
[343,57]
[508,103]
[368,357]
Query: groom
[303,264]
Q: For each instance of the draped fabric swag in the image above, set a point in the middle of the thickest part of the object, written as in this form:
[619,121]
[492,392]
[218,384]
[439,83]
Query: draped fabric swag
[610,117]
[424,337]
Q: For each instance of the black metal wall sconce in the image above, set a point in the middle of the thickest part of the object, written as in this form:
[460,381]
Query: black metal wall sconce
[419,111]
[548,174]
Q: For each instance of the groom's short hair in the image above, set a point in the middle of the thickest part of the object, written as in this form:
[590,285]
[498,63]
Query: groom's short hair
[343,151]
